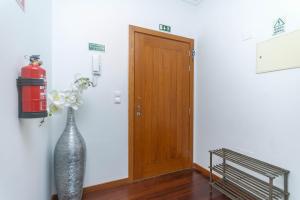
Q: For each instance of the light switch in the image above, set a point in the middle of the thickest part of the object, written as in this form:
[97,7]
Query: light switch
[117,93]
[117,100]
[117,97]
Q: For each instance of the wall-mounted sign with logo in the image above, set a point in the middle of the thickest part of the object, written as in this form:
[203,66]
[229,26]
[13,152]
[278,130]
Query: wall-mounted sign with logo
[279,27]
[165,28]
[96,47]
[21,4]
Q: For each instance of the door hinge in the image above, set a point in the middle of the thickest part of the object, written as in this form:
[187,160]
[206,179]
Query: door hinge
[193,53]
[189,67]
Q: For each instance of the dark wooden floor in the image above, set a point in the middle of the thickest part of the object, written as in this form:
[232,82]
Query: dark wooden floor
[185,185]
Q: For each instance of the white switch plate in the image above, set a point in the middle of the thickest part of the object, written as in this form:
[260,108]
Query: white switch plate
[117,93]
[117,97]
[117,100]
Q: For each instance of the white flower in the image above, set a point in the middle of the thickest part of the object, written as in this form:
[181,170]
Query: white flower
[57,98]
[73,99]
[52,109]
[81,84]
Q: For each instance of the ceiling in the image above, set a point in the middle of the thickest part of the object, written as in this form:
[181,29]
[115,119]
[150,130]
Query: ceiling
[193,2]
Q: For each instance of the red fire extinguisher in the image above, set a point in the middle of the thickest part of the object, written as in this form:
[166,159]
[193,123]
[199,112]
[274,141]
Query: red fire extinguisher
[32,90]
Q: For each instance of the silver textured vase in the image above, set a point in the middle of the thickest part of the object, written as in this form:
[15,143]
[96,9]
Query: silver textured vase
[69,161]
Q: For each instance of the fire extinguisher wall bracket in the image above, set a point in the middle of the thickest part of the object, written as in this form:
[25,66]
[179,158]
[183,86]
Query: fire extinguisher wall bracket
[21,82]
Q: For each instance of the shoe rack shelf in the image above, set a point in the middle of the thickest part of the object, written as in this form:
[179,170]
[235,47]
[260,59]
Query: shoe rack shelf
[238,182]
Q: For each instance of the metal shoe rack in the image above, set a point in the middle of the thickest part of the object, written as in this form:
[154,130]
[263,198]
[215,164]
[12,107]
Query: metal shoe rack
[237,184]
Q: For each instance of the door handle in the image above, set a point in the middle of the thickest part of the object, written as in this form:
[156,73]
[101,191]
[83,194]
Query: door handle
[138,114]
[138,110]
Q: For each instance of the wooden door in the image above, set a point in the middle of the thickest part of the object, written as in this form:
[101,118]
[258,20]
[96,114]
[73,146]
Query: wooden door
[162,135]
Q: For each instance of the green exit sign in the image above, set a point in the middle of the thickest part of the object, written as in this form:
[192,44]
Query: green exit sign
[96,47]
[165,28]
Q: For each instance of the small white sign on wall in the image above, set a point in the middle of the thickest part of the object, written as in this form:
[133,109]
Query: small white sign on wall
[21,3]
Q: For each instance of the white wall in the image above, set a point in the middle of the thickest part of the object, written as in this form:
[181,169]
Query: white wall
[24,147]
[257,114]
[235,107]
[102,123]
